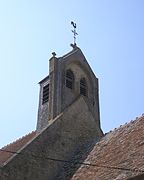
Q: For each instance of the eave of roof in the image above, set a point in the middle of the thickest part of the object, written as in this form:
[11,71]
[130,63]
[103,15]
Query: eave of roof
[46,78]
[15,146]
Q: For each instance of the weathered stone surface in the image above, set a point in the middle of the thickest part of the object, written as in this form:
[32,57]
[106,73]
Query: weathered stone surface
[63,138]
[42,119]
[60,97]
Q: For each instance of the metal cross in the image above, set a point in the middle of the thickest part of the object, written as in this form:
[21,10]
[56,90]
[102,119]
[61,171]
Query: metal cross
[74,31]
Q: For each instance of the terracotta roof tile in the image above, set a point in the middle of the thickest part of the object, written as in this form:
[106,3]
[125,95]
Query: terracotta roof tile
[123,147]
[15,146]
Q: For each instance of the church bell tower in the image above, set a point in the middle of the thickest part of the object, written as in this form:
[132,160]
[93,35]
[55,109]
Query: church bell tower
[70,77]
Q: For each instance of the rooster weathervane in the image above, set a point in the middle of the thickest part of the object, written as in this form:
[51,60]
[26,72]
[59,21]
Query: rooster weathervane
[74,31]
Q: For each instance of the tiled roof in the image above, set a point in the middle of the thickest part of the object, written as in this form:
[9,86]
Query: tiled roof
[122,148]
[15,146]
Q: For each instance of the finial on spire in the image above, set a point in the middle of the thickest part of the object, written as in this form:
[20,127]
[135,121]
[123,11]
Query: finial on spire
[54,54]
[74,32]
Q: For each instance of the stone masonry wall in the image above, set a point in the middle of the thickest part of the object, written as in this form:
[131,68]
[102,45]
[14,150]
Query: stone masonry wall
[42,120]
[60,96]
[73,128]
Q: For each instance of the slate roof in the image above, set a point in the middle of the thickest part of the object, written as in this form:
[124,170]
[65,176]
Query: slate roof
[15,146]
[121,148]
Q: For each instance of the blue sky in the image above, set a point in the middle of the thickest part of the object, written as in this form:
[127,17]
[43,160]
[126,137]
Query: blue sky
[111,36]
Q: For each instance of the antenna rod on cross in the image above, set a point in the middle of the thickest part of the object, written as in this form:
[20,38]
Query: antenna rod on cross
[74,31]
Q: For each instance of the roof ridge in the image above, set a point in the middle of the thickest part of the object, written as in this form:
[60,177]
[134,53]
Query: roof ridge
[70,52]
[121,149]
[137,118]
[17,140]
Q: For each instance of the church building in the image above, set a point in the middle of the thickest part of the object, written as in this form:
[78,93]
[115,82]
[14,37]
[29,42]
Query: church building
[68,142]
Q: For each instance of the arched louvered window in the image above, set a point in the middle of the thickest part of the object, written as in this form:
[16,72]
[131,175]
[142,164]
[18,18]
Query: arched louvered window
[69,79]
[45,97]
[83,87]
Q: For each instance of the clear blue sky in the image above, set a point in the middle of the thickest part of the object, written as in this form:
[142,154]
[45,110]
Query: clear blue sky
[111,35]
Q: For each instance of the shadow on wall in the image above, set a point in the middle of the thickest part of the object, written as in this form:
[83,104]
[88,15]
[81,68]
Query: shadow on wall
[79,155]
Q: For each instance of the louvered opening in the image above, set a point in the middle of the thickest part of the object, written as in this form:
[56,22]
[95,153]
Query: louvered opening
[69,79]
[83,87]
[45,94]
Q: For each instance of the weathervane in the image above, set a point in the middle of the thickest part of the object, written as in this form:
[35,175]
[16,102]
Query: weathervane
[74,31]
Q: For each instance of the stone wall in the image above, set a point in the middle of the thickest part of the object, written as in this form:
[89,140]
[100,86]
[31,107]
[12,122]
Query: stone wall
[60,97]
[77,62]
[42,119]
[63,138]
